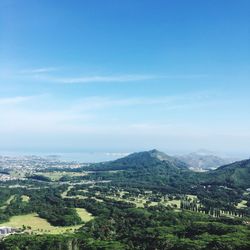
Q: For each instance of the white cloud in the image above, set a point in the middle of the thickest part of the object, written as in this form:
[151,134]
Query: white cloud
[38,70]
[97,78]
[114,78]
[15,100]
[109,121]
[92,114]
[183,101]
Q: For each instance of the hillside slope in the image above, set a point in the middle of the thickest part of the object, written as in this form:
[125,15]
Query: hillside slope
[148,169]
[141,160]
[236,174]
[154,168]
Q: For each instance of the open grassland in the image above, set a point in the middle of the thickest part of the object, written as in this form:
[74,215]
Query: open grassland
[25,198]
[65,193]
[84,215]
[29,220]
[33,223]
[140,202]
[192,197]
[146,199]
[174,203]
[55,176]
[77,197]
[242,204]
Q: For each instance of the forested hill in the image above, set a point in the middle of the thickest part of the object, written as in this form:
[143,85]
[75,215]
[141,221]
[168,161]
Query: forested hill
[235,174]
[148,169]
[141,160]
[154,168]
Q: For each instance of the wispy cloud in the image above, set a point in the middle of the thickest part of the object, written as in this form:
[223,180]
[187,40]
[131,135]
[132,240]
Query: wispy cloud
[42,112]
[38,70]
[112,78]
[183,101]
[99,78]
[101,121]
[14,100]
[55,74]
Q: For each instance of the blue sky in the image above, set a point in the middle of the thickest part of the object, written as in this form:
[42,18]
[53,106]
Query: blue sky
[123,76]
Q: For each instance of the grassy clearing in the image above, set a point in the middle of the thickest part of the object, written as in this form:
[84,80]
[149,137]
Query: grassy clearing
[55,176]
[121,193]
[97,199]
[143,200]
[38,225]
[242,204]
[31,220]
[80,197]
[25,198]
[65,193]
[84,215]
[192,197]
[174,203]
[138,202]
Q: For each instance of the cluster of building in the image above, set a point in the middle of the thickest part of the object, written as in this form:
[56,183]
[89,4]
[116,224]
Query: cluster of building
[18,167]
[6,177]
[6,231]
[32,161]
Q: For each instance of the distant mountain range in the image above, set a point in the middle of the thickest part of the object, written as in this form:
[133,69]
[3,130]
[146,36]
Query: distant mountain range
[146,169]
[142,160]
[198,161]
[204,161]
[155,168]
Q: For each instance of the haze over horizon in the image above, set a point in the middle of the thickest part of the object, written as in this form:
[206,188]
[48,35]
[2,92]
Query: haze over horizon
[124,76]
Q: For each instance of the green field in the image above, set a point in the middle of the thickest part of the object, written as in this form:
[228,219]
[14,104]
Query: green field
[65,193]
[176,203]
[36,223]
[25,198]
[55,176]
[141,201]
[84,215]
[242,204]
[39,225]
[192,197]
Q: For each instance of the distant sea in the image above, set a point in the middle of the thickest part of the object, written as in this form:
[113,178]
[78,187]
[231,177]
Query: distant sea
[82,157]
[92,157]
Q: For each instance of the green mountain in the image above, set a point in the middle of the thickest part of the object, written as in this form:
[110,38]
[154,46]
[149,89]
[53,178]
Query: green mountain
[236,174]
[156,169]
[142,160]
[148,169]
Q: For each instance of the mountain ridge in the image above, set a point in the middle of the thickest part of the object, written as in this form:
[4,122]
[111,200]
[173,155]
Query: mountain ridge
[234,174]
[157,168]
[200,162]
[144,159]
